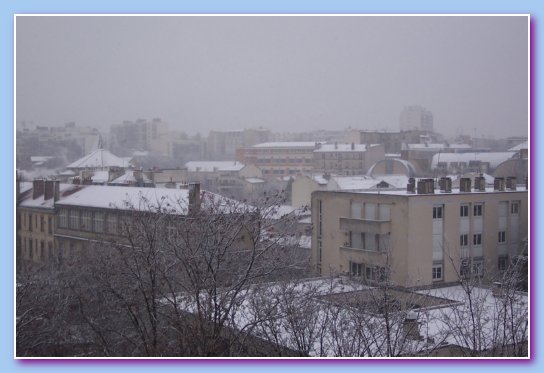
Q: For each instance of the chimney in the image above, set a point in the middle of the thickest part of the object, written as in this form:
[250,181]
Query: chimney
[498,184]
[411,187]
[352,146]
[425,186]
[56,190]
[336,145]
[194,197]
[465,184]
[445,184]
[37,188]
[411,326]
[479,183]
[48,189]
[511,183]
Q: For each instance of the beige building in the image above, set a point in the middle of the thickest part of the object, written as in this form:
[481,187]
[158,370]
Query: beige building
[280,159]
[35,219]
[346,159]
[418,239]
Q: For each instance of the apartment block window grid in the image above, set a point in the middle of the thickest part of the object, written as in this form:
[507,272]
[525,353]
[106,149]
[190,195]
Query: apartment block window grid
[502,237]
[437,272]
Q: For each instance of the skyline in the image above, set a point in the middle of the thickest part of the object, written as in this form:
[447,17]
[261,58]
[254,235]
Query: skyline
[289,74]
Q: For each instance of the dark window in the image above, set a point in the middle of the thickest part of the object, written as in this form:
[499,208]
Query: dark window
[477,239]
[502,237]
[437,212]
[437,272]
[463,240]
[478,210]
[464,210]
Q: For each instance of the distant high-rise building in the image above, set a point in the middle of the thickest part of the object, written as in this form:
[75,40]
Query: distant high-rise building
[416,118]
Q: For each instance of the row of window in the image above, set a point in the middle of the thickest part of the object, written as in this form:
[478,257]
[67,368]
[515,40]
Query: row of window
[477,210]
[371,273]
[477,238]
[87,220]
[31,223]
[36,250]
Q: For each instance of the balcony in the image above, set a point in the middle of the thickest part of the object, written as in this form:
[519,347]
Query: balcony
[367,226]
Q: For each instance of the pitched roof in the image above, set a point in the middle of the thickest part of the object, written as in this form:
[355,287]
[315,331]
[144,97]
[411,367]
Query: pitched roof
[98,159]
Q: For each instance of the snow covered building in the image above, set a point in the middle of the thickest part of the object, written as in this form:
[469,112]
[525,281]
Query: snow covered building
[228,178]
[278,159]
[419,238]
[346,159]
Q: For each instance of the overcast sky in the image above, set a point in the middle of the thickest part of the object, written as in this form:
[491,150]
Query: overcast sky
[282,73]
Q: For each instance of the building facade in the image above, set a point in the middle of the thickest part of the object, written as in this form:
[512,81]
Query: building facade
[280,159]
[346,159]
[417,239]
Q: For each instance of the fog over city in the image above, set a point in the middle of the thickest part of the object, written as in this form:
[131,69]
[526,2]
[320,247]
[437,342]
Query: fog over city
[286,74]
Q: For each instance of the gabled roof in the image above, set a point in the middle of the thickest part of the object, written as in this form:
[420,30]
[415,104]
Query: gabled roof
[99,158]
[493,158]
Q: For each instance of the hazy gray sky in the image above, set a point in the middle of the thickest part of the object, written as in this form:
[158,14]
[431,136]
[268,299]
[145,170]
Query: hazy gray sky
[282,73]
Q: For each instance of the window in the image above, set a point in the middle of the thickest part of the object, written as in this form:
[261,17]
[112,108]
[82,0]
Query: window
[50,225]
[87,220]
[42,223]
[437,272]
[503,262]
[63,218]
[99,222]
[375,273]
[30,222]
[514,208]
[478,209]
[502,237]
[464,211]
[437,212]
[477,239]
[356,269]
[74,219]
[111,223]
[463,240]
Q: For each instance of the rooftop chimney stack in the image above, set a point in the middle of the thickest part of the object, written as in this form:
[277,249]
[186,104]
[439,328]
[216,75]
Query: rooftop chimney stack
[37,188]
[411,326]
[411,187]
[48,189]
[425,186]
[194,197]
[445,184]
[479,183]
[498,184]
[465,184]
[511,183]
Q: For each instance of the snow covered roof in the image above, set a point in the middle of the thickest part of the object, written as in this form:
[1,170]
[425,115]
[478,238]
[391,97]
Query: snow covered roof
[523,145]
[98,159]
[320,179]
[25,186]
[129,178]
[342,148]
[174,201]
[46,204]
[40,159]
[213,166]
[494,158]
[396,181]
[407,164]
[254,180]
[278,212]
[288,144]
[100,177]
[355,182]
